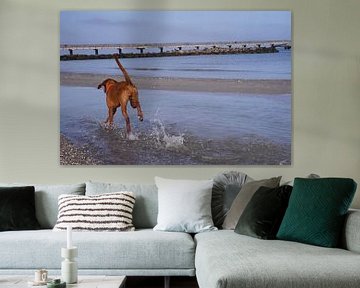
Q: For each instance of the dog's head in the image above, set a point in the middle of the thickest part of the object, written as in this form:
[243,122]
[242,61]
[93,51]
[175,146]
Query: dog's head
[106,83]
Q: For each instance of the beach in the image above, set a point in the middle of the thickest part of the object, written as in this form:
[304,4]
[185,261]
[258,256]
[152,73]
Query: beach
[198,110]
[174,133]
[249,86]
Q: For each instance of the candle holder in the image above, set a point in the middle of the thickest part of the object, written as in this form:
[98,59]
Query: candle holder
[69,271]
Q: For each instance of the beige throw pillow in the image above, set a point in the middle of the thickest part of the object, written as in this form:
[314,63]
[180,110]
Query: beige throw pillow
[243,198]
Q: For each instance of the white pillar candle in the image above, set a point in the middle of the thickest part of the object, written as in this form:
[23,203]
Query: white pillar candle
[69,237]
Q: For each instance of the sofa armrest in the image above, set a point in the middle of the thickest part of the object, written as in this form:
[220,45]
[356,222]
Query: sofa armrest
[351,234]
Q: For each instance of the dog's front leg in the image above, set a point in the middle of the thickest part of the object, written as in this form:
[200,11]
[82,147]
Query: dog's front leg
[110,118]
[140,113]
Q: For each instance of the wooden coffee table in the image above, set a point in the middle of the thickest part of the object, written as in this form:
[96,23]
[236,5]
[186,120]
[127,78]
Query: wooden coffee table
[83,282]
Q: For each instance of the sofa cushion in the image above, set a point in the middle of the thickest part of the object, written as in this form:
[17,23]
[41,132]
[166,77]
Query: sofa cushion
[138,250]
[317,209]
[46,200]
[17,208]
[226,187]
[263,215]
[146,205]
[225,259]
[184,205]
[243,198]
[105,212]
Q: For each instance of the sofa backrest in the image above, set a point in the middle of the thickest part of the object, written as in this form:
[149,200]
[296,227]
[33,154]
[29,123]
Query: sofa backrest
[146,203]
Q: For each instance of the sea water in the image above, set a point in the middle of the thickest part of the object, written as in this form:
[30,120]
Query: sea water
[216,127]
[238,66]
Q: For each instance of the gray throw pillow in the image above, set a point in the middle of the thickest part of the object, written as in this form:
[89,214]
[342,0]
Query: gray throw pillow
[225,189]
[242,199]
[146,205]
[184,205]
[310,176]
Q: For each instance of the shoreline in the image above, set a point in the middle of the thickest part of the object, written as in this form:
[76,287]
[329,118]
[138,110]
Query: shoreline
[249,150]
[261,86]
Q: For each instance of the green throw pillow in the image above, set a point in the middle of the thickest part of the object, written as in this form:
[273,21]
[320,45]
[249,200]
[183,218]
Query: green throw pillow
[316,211]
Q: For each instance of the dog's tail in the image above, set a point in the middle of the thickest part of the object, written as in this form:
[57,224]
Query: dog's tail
[126,75]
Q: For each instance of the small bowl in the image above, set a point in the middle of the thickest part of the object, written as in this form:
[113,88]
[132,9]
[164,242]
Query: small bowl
[56,283]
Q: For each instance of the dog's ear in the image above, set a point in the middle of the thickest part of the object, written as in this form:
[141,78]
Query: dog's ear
[102,85]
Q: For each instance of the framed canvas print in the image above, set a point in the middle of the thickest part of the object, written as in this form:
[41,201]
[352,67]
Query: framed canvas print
[175,88]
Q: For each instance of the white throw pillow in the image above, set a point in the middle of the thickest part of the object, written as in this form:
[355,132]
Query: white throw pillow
[184,205]
[105,212]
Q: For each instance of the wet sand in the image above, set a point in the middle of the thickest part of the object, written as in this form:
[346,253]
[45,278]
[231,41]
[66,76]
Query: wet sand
[71,154]
[271,87]
[251,150]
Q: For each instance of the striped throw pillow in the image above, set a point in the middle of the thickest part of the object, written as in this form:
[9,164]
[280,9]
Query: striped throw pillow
[105,212]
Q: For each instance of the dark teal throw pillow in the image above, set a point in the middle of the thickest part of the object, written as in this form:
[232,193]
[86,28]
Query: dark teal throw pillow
[264,212]
[316,211]
[17,209]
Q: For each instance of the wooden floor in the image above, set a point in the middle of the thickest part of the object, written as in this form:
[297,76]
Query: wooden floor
[158,282]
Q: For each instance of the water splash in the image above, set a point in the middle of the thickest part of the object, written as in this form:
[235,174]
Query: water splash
[132,137]
[162,137]
[107,126]
[173,141]
[116,130]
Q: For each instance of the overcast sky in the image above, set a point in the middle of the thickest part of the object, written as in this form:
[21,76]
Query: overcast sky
[83,27]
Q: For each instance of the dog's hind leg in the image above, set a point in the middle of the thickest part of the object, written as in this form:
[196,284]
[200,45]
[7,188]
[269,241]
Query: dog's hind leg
[113,111]
[127,119]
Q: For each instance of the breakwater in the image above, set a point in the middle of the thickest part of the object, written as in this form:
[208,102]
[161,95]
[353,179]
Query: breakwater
[192,52]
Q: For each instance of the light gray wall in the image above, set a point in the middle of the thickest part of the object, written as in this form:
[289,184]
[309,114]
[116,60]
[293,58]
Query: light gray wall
[326,91]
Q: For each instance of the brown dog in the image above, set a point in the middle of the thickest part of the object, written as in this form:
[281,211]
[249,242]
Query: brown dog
[118,94]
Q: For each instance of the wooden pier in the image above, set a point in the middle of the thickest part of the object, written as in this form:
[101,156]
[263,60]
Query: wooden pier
[80,51]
